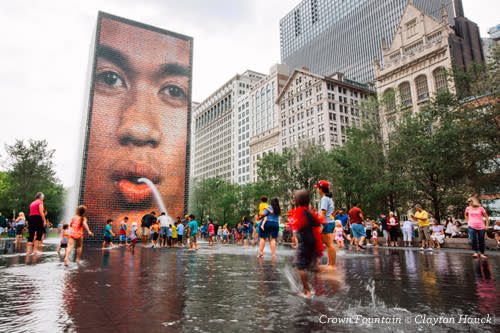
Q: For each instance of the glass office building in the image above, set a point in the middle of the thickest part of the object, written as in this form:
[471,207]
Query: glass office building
[329,36]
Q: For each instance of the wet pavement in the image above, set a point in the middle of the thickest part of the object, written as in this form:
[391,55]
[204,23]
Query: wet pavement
[228,289]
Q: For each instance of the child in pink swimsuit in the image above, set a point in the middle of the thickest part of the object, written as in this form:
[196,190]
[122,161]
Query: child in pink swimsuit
[77,224]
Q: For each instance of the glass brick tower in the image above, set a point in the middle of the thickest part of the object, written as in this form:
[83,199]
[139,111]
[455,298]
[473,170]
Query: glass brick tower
[328,36]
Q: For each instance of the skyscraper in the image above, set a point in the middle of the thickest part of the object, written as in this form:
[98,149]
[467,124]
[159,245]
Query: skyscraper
[329,36]
[214,137]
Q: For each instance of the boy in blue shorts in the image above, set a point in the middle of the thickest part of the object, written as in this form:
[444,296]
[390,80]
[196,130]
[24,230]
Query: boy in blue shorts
[108,234]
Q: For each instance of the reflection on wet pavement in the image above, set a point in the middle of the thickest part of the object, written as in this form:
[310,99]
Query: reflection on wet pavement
[229,289]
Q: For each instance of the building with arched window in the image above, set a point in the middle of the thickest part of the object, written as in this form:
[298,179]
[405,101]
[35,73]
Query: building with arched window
[413,68]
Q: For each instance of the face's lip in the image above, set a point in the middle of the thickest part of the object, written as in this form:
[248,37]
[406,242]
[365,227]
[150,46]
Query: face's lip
[126,179]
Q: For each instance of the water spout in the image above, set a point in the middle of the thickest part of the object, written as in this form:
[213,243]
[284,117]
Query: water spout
[155,193]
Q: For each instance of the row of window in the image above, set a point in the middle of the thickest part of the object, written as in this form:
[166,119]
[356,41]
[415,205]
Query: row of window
[212,113]
[421,87]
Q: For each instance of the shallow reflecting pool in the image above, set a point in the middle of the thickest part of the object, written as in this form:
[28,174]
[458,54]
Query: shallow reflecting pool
[229,289]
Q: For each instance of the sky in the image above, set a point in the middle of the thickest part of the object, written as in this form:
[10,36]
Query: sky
[45,57]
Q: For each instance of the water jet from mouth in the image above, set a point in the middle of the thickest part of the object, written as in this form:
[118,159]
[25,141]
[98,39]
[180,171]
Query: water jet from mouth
[156,194]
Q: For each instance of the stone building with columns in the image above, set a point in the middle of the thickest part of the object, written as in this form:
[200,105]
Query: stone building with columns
[414,65]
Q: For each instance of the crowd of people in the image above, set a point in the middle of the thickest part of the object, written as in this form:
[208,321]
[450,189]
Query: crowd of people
[311,232]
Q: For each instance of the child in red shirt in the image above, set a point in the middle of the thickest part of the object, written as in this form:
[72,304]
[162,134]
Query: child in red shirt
[307,226]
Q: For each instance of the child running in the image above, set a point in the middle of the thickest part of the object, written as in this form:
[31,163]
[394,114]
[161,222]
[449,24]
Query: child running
[64,239]
[78,223]
[225,235]
[108,235]
[307,225]
[263,205]
[210,232]
[123,231]
[256,236]
[374,233]
[339,234]
[133,236]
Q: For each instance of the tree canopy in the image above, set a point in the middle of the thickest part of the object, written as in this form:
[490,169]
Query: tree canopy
[30,169]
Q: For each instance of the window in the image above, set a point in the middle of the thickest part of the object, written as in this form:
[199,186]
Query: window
[411,28]
[440,79]
[314,11]
[405,93]
[389,99]
[422,88]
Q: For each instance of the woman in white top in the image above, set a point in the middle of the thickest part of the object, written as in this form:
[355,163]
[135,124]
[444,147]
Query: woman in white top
[451,230]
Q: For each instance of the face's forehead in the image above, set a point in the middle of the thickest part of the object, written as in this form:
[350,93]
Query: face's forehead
[142,45]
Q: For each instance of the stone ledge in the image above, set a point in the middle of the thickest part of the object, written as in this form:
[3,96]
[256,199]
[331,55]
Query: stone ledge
[451,243]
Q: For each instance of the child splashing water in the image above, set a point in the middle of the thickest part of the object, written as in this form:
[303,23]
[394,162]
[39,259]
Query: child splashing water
[133,236]
[64,240]
[78,223]
[340,234]
[310,246]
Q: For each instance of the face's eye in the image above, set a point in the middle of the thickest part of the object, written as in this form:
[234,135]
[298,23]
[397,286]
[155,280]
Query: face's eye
[173,91]
[110,80]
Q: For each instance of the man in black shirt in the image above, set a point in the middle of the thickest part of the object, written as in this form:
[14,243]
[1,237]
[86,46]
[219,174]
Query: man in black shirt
[216,229]
[146,223]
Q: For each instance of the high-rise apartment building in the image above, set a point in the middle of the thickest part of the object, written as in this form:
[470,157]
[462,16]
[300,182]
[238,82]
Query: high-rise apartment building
[214,120]
[319,109]
[264,136]
[242,138]
[329,36]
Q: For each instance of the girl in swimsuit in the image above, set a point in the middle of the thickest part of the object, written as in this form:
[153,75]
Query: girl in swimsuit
[78,223]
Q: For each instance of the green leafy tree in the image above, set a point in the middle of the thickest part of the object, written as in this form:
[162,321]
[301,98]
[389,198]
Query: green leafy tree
[362,172]
[296,168]
[432,149]
[217,199]
[30,169]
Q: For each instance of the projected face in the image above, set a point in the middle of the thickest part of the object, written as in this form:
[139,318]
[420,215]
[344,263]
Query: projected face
[138,126]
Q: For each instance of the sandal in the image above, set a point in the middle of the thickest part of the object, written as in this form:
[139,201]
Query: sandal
[484,257]
[475,255]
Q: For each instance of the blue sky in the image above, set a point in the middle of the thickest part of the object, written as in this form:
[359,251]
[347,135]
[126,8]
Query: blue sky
[45,56]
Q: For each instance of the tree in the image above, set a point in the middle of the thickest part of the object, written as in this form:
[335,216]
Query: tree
[362,172]
[217,199]
[433,148]
[296,168]
[30,169]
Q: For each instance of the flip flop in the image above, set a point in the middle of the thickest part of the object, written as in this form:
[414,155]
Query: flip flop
[475,255]
[484,257]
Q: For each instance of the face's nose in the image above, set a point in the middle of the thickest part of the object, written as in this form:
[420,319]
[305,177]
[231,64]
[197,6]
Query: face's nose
[140,119]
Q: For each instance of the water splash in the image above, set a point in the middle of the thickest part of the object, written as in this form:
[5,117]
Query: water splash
[370,287]
[155,193]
